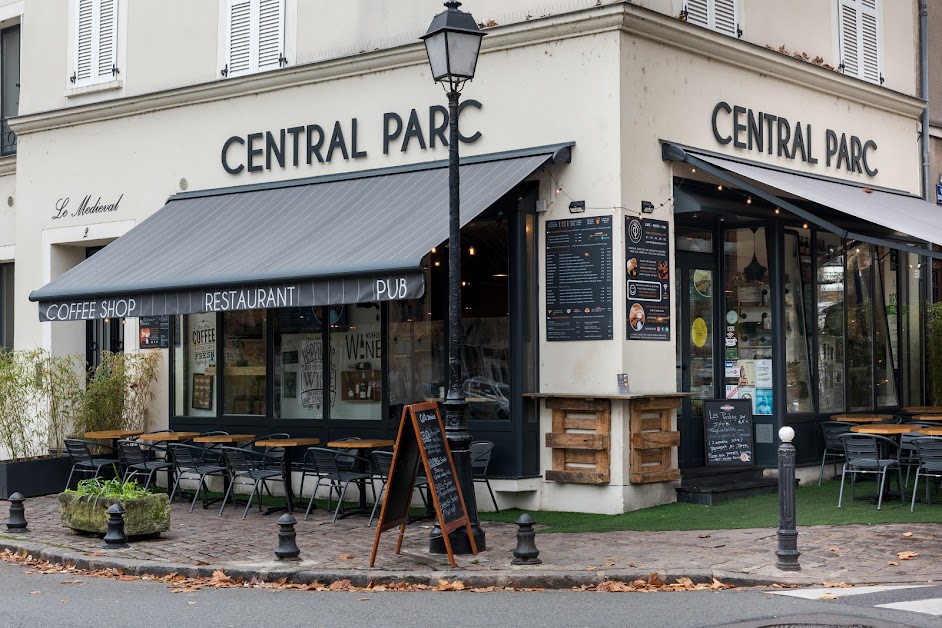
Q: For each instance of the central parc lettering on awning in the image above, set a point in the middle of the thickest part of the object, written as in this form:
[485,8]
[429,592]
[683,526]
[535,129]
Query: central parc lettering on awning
[334,291]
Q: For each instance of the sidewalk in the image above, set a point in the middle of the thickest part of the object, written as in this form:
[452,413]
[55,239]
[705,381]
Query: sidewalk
[200,543]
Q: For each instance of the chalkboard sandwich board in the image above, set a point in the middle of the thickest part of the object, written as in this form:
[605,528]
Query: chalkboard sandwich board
[727,432]
[422,436]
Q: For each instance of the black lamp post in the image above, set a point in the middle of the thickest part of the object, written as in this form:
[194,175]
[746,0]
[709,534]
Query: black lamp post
[453,42]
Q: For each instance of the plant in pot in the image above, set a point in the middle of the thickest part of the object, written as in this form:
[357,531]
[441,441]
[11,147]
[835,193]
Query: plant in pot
[86,508]
[38,396]
[934,351]
[118,393]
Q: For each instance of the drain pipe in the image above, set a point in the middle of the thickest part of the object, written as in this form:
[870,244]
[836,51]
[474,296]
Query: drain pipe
[924,89]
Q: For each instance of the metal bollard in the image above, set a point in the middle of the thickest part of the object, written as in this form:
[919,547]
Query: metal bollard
[116,538]
[526,553]
[17,520]
[287,539]
[787,534]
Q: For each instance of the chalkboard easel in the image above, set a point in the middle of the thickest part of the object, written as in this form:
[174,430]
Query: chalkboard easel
[727,432]
[422,436]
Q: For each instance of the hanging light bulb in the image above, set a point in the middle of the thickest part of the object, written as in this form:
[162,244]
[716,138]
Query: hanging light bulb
[749,201]
[777,211]
[719,188]
[471,250]
[434,249]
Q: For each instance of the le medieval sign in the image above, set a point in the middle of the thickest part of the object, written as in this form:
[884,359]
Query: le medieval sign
[764,132]
[65,208]
[307,143]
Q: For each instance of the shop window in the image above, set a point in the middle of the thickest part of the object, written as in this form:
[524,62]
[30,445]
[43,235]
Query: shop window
[798,295]
[255,36]
[911,314]
[411,354]
[6,307]
[718,15]
[356,362]
[244,362]
[860,335]
[829,286]
[299,364]
[748,364]
[195,365]
[9,86]
[859,39]
[886,327]
[103,335]
[94,42]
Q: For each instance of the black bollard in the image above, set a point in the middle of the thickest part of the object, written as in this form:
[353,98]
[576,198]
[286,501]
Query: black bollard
[526,553]
[116,538]
[287,539]
[17,520]
[787,534]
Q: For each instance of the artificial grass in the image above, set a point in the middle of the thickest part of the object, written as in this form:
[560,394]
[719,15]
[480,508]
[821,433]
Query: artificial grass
[814,505]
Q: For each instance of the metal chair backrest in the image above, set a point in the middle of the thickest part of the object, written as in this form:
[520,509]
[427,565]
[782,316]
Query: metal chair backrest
[78,450]
[864,449]
[383,462]
[132,452]
[480,457]
[185,456]
[238,460]
[325,461]
[832,432]
[348,457]
[929,451]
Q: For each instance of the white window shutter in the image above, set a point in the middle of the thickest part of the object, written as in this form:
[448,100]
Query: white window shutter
[271,33]
[84,38]
[239,44]
[859,39]
[107,59]
[869,42]
[724,17]
[850,54]
[698,12]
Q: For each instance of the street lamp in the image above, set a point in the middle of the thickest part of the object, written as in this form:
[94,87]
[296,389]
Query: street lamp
[453,42]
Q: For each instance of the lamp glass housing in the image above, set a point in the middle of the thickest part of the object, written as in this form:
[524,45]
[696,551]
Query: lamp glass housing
[453,55]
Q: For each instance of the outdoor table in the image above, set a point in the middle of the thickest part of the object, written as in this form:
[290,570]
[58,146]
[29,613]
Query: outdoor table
[926,417]
[289,445]
[366,445]
[862,418]
[931,431]
[113,435]
[224,439]
[170,437]
[922,410]
[893,429]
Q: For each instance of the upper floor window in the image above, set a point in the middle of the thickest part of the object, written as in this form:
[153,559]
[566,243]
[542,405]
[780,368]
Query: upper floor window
[859,40]
[9,86]
[255,36]
[718,15]
[95,42]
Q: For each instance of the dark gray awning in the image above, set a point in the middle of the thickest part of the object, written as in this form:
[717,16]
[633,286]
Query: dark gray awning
[349,238]
[897,213]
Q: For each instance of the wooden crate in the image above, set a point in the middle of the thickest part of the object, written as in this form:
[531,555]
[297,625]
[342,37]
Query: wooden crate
[580,440]
[653,440]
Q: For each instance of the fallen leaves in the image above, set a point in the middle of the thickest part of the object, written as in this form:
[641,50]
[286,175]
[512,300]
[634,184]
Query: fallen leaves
[834,549]
[907,555]
[654,583]
[907,534]
[837,585]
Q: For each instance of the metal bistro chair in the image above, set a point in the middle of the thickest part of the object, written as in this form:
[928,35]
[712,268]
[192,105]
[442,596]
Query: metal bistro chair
[274,455]
[84,461]
[211,451]
[248,468]
[869,454]
[929,453]
[382,462]
[187,461]
[136,460]
[325,462]
[481,457]
[833,447]
[347,458]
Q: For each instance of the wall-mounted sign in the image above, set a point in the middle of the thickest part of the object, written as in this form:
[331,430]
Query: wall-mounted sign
[579,302]
[65,208]
[154,332]
[648,289]
[764,132]
[306,144]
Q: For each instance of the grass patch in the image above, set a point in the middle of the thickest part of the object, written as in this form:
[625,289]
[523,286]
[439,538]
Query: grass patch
[815,505]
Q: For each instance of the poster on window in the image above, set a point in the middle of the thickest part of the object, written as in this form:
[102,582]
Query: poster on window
[648,287]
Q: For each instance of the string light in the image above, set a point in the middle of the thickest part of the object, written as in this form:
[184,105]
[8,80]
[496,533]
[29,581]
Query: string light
[749,201]
[777,211]
[804,225]
[471,250]
[719,188]
[434,249]
[437,263]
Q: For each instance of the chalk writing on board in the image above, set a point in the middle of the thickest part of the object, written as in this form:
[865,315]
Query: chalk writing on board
[727,429]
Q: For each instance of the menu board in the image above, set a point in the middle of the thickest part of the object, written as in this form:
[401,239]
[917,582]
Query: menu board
[154,332]
[647,266]
[422,436]
[727,431]
[579,302]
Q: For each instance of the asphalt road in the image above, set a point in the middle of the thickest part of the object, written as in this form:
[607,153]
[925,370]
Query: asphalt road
[31,600]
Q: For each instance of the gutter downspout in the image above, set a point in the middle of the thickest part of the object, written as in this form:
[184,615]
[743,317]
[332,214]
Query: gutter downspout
[924,92]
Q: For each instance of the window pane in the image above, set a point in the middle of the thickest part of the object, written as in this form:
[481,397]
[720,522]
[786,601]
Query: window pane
[195,364]
[410,353]
[830,319]
[748,311]
[10,88]
[6,306]
[885,336]
[797,339]
[356,362]
[910,316]
[860,332]
[299,363]
[244,355]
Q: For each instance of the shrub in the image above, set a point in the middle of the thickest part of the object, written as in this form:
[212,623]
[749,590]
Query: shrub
[113,488]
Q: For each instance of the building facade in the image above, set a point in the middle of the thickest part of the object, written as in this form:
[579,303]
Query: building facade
[664,202]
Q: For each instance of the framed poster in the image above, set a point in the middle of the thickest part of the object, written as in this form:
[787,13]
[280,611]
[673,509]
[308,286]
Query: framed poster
[648,289]
[202,392]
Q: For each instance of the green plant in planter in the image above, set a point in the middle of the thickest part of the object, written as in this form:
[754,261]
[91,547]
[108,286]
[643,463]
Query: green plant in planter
[118,394]
[934,351]
[86,508]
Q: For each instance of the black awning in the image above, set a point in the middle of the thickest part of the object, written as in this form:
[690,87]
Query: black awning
[329,240]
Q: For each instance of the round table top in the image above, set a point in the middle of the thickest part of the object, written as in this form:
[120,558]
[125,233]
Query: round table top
[171,437]
[894,428]
[363,443]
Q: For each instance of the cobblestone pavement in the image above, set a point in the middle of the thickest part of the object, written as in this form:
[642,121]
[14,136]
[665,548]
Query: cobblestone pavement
[201,542]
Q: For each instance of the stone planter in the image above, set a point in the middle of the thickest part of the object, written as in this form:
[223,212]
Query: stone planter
[33,478]
[148,515]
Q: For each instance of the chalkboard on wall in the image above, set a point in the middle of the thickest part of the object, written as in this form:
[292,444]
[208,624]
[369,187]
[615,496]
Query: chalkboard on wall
[727,432]
[422,436]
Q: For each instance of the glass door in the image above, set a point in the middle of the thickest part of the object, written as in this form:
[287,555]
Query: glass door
[696,347]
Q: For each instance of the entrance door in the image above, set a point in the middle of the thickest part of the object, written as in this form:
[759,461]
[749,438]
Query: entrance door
[696,350]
